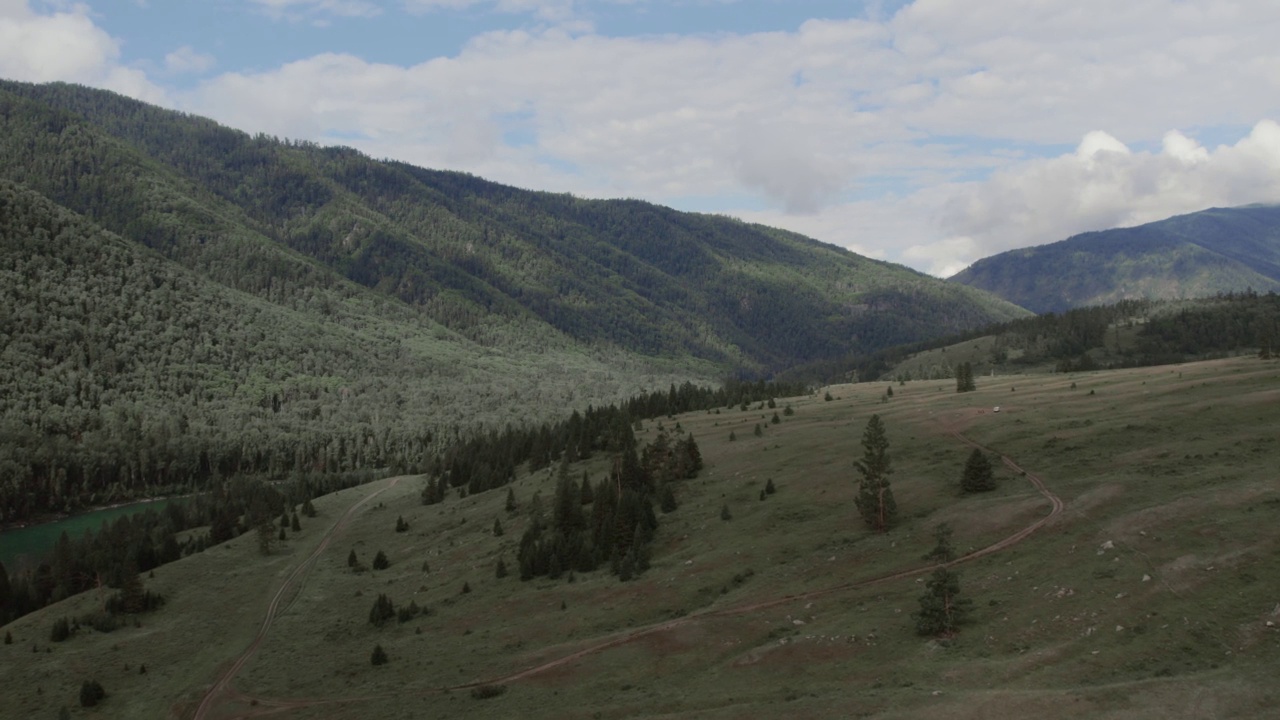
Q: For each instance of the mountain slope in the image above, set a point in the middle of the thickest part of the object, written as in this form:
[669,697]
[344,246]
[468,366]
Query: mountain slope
[489,261]
[183,303]
[1195,255]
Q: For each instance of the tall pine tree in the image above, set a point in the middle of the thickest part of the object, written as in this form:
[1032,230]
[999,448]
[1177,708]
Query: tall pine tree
[875,499]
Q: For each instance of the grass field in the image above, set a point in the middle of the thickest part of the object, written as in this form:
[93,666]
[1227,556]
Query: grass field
[1149,596]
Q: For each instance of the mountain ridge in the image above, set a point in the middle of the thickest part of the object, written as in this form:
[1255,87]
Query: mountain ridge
[1193,255]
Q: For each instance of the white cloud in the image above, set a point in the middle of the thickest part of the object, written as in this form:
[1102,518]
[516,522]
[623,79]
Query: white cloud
[65,45]
[297,9]
[1101,185]
[187,59]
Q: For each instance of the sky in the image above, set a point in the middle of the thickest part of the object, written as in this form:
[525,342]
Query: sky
[929,133]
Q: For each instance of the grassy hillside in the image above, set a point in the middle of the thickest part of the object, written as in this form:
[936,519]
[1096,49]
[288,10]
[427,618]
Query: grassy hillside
[1145,596]
[1195,255]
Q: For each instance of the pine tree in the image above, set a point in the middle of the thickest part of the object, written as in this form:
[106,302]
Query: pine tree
[942,551]
[132,596]
[294,524]
[769,487]
[511,500]
[352,560]
[942,610]
[466,587]
[382,611]
[379,656]
[732,436]
[380,561]
[978,475]
[758,431]
[308,509]
[775,419]
[497,527]
[875,499]
[588,496]
[724,512]
[501,570]
[964,378]
[667,498]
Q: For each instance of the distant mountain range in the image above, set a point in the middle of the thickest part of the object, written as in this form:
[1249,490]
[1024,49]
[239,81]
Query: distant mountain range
[1195,255]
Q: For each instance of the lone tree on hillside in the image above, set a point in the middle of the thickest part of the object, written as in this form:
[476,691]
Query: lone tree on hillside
[941,607]
[942,551]
[964,378]
[875,500]
[978,476]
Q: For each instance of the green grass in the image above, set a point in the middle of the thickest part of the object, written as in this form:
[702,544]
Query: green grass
[1173,466]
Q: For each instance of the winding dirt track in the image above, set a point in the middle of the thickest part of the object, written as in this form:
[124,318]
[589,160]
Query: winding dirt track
[222,691]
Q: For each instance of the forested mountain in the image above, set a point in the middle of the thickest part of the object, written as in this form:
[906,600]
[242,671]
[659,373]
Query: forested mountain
[183,301]
[1195,255]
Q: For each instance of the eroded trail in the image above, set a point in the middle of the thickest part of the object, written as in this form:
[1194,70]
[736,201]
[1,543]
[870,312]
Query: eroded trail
[221,690]
[269,707]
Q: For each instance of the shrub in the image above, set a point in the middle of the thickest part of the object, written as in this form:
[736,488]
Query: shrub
[379,656]
[61,630]
[485,692]
[91,693]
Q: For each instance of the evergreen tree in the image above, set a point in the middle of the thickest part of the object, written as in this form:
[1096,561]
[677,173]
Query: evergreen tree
[497,527]
[132,596]
[875,499]
[61,630]
[380,561]
[466,587]
[769,487]
[788,410]
[511,500]
[942,551]
[667,498]
[8,638]
[501,570]
[294,524]
[382,611]
[724,512]
[964,378]
[775,419]
[978,475]
[308,509]
[732,436]
[379,656]
[942,610]
[588,496]
[401,525]
[352,560]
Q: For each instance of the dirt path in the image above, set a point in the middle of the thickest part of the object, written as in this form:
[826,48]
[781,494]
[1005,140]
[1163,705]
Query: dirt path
[221,690]
[270,707]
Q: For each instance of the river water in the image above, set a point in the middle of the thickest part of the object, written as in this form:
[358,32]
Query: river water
[31,543]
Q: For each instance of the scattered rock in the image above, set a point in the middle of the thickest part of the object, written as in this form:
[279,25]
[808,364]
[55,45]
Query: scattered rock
[1146,578]
[1119,628]
[1108,545]
[797,622]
